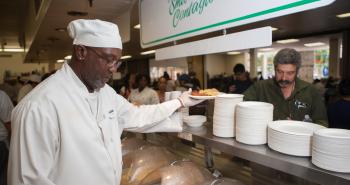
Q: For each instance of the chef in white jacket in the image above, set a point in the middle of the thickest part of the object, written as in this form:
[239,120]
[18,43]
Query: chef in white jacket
[67,130]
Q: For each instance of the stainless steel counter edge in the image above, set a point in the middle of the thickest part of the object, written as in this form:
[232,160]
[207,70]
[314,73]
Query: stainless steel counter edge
[263,155]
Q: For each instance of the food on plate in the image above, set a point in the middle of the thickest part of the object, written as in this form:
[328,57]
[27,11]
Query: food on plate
[205,92]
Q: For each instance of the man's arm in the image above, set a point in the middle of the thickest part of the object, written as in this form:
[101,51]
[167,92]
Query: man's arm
[33,146]
[133,117]
[251,93]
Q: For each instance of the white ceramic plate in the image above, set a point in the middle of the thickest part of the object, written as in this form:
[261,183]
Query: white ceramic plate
[334,133]
[295,127]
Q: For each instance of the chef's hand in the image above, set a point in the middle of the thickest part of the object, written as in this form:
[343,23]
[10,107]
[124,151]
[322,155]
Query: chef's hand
[187,101]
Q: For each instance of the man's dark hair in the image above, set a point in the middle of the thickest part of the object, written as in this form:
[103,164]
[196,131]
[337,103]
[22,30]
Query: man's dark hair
[239,68]
[344,87]
[140,76]
[288,56]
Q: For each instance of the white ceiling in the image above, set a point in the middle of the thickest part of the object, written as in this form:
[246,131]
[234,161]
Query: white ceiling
[10,15]
[50,44]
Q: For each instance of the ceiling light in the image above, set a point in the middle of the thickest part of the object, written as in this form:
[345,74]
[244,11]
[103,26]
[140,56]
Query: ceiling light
[314,44]
[266,49]
[148,52]
[60,61]
[234,53]
[138,26]
[287,41]
[68,57]
[13,50]
[125,57]
[274,29]
[344,15]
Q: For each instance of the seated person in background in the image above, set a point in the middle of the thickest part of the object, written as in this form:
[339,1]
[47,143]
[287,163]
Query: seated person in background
[196,84]
[170,83]
[162,84]
[240,82]
[129,84]
[34,80]
[339,112]
[291,97]
[184,83]
[143,95]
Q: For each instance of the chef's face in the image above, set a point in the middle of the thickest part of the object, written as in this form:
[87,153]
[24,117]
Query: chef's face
[285,74]
[100,63]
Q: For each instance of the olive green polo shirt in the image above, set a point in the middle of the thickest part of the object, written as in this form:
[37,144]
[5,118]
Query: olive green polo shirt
[304,102]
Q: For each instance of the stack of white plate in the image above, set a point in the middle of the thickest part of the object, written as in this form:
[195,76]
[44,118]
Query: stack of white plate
[251,122]
[331,149]
[291,137]
[224,114]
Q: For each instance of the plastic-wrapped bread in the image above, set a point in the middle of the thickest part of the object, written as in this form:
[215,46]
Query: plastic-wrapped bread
[132,144]
[145,161]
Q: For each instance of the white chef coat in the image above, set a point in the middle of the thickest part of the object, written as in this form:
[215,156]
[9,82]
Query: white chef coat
[6,107]
[57,140]
[147,96]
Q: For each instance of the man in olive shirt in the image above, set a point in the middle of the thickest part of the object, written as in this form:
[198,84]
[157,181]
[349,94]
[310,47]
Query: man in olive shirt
[291,97]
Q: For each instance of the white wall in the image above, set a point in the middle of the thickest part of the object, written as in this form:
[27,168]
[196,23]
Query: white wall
[232,60]
[223,64]
[178,62]
[15,65]
[215,64]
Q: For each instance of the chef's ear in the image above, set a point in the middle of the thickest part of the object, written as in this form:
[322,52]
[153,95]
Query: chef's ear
[80,52]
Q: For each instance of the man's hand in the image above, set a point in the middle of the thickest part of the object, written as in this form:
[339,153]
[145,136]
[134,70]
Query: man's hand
[187,101]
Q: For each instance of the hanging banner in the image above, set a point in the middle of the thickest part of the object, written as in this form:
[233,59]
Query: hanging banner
[163,21]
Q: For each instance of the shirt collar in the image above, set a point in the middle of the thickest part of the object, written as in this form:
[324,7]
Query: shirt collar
[75,80]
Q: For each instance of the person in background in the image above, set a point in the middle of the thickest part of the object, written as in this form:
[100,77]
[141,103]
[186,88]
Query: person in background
[47,75]
[9,87]
[319,86]
[162,84]
[184,83]
[292,98]
[34,80]
[260,76]
[196,85]
[240,82]
[143,95]
[67,130]
[6,107]
[339,112]
[171,85]
[129,85]
[330,94]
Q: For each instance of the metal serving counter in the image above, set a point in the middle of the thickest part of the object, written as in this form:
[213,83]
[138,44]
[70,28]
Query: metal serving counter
[263,155]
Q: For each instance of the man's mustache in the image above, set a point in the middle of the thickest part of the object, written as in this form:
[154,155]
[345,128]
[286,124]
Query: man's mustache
[284,82]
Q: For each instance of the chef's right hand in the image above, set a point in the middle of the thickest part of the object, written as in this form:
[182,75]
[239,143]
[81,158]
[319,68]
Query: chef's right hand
[187,101]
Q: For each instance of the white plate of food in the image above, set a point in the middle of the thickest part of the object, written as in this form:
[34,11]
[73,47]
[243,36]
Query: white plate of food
[206,94]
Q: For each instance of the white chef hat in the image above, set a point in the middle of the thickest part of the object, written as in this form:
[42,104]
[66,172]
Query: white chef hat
[35,78]
[94,33]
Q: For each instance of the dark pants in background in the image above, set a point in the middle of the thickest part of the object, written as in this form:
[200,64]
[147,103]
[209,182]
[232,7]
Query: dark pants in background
[4,154]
